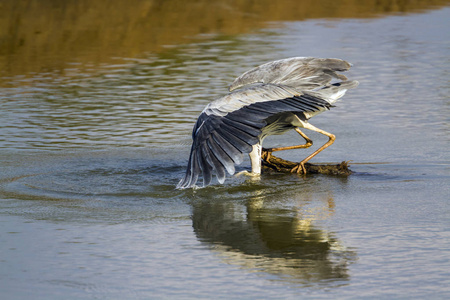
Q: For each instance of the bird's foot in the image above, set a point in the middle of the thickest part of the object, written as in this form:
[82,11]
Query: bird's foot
[247,173]
[299,169]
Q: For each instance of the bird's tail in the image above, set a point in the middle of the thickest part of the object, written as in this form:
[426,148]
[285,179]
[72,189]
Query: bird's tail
[334,91]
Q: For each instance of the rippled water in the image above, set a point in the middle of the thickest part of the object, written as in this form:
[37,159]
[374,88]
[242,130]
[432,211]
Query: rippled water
[90,157]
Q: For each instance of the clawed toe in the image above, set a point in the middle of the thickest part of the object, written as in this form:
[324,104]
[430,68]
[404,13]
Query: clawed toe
[299,169]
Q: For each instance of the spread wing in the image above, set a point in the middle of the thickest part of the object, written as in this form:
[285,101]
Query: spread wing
[229,127]
[301,73]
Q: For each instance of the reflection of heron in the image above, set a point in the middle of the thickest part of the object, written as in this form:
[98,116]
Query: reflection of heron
[270,99]
[260,236]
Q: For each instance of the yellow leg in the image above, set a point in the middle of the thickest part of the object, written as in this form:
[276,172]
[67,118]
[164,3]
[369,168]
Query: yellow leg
[300,168]
[309,142]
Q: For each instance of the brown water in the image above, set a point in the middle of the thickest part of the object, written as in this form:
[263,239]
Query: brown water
[97,102]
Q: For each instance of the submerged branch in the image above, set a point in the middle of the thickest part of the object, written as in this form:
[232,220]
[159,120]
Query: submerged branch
[281,165]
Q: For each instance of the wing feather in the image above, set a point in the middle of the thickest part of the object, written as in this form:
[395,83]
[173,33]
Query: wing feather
[204,166]
[243,117]
[245,137]
[229,149]
[216,165]
[193,170]
[221,156]
[234,140]
[250,130]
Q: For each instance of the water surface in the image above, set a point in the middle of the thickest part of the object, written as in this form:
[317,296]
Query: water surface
[91,153]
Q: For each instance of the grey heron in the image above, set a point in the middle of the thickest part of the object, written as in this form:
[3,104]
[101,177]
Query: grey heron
[272,98]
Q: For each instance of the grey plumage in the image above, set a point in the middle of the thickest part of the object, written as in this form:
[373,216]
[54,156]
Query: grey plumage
[270,99]
[302,73]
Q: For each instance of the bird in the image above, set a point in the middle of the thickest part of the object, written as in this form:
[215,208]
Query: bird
[270,99]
